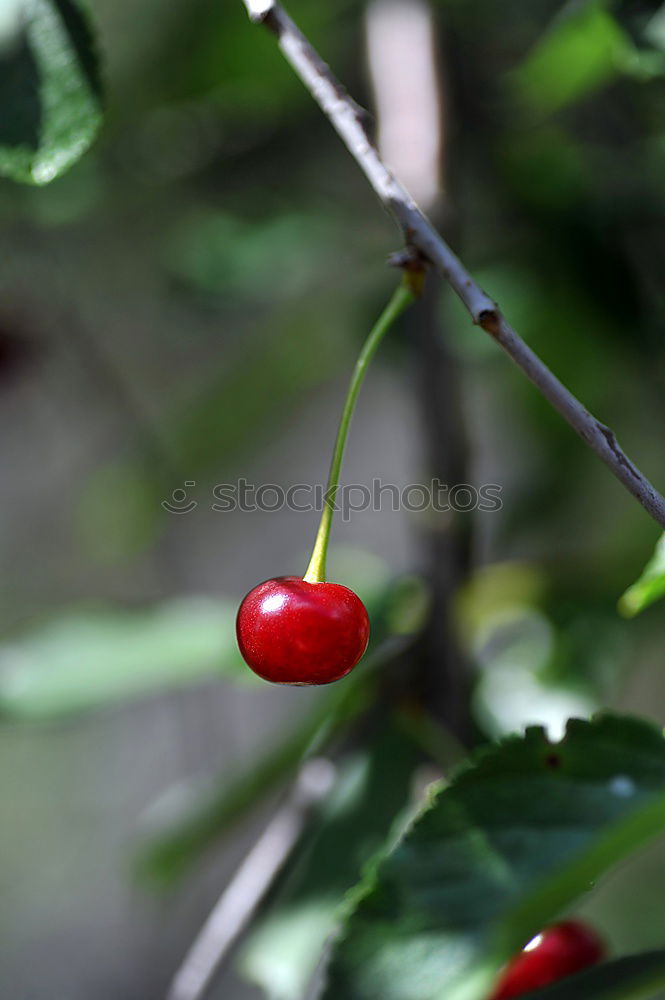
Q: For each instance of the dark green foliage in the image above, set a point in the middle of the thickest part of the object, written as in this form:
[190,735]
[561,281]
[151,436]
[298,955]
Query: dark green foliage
[517,836]
[50,89]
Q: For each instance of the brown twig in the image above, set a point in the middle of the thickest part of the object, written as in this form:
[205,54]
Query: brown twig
[244,894]
[350,123]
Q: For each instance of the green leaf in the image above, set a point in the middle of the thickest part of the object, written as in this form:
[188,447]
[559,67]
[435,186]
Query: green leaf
[517,836]
[650,586]
[584,49]
[89,660]
[170,852]
[50,90]
[284,948]
[635,976]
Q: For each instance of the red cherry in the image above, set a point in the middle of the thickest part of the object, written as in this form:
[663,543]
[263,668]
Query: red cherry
[293,632]
[557,952]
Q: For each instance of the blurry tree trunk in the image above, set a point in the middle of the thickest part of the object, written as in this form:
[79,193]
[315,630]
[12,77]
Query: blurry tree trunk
[442,670]
[411,103]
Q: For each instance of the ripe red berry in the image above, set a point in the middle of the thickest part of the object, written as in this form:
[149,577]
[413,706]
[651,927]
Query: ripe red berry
[294,632]
[557,952]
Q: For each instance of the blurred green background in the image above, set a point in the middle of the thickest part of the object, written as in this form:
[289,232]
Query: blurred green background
[184,306]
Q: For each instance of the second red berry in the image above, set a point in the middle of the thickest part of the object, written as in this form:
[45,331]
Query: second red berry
[557,952]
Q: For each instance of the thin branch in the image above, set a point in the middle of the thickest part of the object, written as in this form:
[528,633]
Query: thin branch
[243,895]
[349,121]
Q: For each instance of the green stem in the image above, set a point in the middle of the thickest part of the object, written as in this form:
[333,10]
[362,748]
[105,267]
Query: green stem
[402,297]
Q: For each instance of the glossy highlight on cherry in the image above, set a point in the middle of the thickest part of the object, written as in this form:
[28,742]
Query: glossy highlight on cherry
[557,952]
[291,631]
